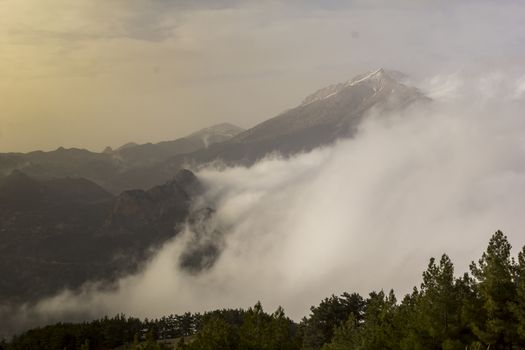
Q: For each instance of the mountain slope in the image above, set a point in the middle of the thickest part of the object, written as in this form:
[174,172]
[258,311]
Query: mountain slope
[61,233]
[329,114]
[336,110]
[107,167]
[147,154]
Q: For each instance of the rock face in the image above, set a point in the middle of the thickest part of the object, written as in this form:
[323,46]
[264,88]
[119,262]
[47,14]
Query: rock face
[60,233]
[205,244]
[159,209]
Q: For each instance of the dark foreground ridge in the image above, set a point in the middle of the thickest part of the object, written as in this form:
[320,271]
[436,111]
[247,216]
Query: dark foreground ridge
[481,310]
[61,233]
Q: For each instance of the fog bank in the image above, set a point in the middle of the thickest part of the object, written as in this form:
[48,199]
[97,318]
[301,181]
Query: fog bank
[361,215]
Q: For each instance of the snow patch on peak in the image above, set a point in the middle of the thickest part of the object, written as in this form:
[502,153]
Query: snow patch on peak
[377,74]
[376,77]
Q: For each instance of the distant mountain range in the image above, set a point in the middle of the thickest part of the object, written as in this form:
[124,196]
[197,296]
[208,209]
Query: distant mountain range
[133,155]
[70,215]
[109,167]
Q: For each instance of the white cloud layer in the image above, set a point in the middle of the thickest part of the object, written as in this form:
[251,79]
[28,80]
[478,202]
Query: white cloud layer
[362,215]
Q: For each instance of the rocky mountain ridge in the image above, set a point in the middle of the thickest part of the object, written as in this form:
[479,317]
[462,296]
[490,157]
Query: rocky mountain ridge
[61,233]
[107,168]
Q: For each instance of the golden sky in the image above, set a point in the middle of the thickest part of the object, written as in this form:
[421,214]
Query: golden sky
[91,73]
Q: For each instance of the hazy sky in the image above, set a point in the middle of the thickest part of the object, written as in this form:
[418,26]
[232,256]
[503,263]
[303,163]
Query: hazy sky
[91,73]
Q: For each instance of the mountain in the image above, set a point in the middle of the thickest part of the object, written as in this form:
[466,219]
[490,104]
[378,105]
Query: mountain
[325,116]
[19,191]
[106,168]
[43,231]
[62,162]
[60,227]
[156,210]
[134,155]
[216,134]
[60,233]
[127,145]
[331,113]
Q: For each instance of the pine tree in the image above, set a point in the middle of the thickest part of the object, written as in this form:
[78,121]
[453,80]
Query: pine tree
[254,329]
[495,275]
[518,306]
[379,330]
[151,342]
[85,345]
[331,313]
[181,345]
[216,334]
[439,307]
[346,336]
[407,321]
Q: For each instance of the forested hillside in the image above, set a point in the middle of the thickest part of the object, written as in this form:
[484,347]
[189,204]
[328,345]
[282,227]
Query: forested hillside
[483,309]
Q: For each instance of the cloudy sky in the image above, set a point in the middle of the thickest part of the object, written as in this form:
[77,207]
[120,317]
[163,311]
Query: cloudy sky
[91,73]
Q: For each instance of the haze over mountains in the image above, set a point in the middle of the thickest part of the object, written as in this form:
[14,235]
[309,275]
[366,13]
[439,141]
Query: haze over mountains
[70,218]
[320,121]
[329,114]
[178,157]
[134,155]
[109,167]
[398,178]
[61,226]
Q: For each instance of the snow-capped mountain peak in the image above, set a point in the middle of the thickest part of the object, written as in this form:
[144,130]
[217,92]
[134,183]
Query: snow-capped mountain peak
[378,78]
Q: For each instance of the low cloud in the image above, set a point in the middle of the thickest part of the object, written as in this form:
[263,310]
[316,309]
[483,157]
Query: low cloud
[361,215]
